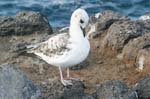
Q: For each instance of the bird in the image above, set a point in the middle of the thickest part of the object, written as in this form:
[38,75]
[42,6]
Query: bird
[65,49]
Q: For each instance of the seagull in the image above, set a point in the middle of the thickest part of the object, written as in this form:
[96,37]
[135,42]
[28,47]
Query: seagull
[65,49]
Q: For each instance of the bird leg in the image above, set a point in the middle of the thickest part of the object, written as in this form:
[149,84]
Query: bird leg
[64,82]
[68,75]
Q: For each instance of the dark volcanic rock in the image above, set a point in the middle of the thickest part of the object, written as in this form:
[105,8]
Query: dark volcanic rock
[24,23]
[115,90]
[145,25]
[120,33]
[136,49]
[15,85]
[53,89]
[105,19]
[76,91]
[143,88]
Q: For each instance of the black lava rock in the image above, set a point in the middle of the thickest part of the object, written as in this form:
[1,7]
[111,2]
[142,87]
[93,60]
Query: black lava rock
[115,90]
[15,85]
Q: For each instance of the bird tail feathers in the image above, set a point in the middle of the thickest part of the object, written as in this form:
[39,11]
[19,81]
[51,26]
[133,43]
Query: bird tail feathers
[24,48]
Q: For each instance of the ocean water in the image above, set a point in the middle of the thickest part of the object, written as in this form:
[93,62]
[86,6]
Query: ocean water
[59,11]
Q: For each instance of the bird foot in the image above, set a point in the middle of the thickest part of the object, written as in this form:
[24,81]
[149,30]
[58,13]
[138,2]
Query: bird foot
[76,79]
[67,82]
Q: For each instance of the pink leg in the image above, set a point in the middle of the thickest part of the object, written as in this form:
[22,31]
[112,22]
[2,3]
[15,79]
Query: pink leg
[64,82]
[61,74]
[68,74]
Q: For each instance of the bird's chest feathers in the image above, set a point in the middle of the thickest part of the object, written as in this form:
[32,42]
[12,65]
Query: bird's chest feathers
[81,47]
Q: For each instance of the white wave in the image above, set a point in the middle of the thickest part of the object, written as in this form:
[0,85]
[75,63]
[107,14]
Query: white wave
[88,5]
[61,2]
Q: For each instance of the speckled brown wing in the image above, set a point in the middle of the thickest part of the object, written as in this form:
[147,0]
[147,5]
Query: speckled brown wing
[55,45]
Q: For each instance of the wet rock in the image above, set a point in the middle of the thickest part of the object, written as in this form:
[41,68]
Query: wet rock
[24,23]
[102,21]
[119,34]
[137,49]
[115,90]
[15,85]
[143,88]
[53,89]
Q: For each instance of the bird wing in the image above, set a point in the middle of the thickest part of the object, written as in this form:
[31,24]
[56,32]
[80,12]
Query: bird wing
[55,45]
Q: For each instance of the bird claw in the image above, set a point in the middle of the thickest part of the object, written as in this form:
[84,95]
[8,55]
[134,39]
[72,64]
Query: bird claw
[76,79]
[67,82]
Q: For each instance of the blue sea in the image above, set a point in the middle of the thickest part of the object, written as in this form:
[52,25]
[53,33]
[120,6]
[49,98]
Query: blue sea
[59,11]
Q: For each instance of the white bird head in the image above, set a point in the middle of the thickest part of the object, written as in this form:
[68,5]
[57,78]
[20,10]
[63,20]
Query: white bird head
[80,18]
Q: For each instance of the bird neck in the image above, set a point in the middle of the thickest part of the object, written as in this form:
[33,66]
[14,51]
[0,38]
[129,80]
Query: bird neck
[75,31]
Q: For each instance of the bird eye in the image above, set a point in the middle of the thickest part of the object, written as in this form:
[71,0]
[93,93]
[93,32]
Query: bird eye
[81,21]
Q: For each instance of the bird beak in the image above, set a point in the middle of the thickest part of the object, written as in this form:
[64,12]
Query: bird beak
[83,30]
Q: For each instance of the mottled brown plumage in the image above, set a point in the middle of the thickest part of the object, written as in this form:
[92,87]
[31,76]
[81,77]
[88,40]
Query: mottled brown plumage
[56,45]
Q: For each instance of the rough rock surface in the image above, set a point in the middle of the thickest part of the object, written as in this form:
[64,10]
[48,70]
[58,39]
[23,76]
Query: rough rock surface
[120,33]
[53,89]
[115,90]
[130,40]
[143,88]
[24,23]
[136,49]
[15,85]
[145,24]
[107,18]
[98,24]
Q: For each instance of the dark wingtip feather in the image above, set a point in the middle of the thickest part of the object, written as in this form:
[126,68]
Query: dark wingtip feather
[20,48]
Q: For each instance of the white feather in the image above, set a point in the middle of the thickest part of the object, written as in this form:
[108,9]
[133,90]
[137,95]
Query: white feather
[78,46]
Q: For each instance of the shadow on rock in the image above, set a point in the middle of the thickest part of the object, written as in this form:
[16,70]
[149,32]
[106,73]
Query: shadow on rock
[143,88]
[24,23]
[15,85]
[53,89]
[115,90]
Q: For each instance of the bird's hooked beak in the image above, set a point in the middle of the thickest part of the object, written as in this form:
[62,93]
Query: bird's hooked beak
[83,30]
